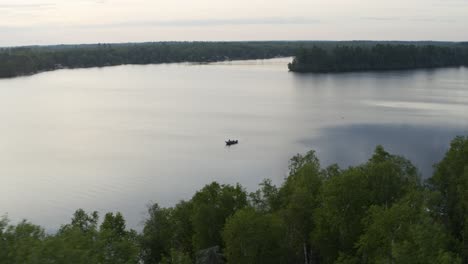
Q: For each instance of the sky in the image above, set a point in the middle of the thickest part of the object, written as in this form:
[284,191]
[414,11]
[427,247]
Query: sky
[43,22]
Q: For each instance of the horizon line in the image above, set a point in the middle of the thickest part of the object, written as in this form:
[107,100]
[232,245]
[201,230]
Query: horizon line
[223,41]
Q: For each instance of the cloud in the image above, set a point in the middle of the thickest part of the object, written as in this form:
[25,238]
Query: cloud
[381,18]
[434,20]
[27,6]
[413,19]
[95,1]
[210,22]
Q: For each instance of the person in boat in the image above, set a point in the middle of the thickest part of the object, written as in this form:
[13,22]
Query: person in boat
[230,142]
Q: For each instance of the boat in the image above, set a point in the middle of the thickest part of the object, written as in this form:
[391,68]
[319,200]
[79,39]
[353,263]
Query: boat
[231,142]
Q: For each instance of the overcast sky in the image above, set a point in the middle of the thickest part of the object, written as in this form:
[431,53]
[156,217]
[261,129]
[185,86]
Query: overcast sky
[26,22]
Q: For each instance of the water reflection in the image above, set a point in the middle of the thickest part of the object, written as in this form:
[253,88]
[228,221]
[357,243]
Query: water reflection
[354,144]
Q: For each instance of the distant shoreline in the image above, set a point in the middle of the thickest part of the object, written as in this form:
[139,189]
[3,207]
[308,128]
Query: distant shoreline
[30,60]
[25,61]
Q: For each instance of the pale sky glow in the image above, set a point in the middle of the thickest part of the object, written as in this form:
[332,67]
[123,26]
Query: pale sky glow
[27,22]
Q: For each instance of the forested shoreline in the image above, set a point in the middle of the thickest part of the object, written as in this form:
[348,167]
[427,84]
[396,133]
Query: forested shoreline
[29,60]
[378,212]
[380,57]
[19,61]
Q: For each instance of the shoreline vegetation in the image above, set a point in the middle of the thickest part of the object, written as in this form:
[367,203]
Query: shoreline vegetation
[311,56]
[380,57]
[21,61]
[377,212]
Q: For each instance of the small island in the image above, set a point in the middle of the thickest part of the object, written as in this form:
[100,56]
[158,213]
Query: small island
[379,57]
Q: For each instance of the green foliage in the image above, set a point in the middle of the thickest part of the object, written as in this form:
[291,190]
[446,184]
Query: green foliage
[19,244]
[346,197]
[116,244]
[316,56]
[190,226]
[265,199]
[299,161]
[167,231]
[182,227]
[343,58]
[176,257]
[344,200]
[254,237]
[377,212]
[450,180]
[29,60]
[77,242]
[156,239]
[404,233]
[299,198]
[210,256]
[212,205]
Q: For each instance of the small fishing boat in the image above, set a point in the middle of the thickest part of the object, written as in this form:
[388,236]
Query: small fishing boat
[231,142]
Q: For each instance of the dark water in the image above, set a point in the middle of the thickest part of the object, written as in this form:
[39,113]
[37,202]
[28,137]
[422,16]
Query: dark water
[117,138]
[350,145]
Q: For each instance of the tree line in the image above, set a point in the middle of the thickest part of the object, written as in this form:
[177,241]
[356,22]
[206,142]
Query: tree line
[376,212]
[18,61]
[342,58]
[28,60]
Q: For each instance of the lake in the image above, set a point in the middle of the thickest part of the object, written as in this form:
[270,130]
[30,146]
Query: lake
[119,138]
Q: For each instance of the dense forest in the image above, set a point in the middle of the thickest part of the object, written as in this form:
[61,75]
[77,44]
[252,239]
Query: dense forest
[29,60]
[342,58]
[17,61]
[377,212]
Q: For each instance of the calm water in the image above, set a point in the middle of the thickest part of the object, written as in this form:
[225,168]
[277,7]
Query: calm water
[117,138]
